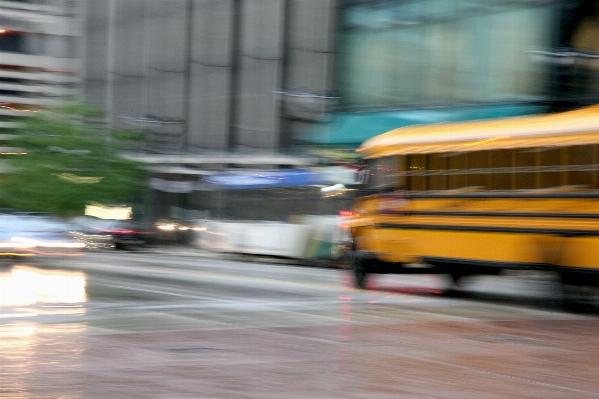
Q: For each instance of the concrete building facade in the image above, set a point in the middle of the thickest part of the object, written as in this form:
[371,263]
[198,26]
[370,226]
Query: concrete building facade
[211,75]
[40,55]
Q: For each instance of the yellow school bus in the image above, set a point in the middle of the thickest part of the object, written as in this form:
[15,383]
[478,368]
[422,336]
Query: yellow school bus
[481,197]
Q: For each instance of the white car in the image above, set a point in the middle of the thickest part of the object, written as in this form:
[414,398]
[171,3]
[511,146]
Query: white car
[31,236]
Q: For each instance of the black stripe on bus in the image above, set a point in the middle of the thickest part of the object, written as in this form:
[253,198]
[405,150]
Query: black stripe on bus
[461,263]
[481,229]
[495,195]
[496,214]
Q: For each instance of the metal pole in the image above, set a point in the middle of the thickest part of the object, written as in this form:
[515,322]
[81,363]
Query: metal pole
[285,122]
[187,85]
[235,61]
[145,77]
[110,63]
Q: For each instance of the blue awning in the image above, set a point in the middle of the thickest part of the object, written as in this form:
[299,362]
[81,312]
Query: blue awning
[264,179]
[352,129]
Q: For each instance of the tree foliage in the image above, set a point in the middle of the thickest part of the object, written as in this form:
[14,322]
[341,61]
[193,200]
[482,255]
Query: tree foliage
[66,162]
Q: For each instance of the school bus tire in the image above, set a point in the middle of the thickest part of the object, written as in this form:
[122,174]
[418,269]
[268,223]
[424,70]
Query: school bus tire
[359,266]
[457,277]
[360,269]
[576,294]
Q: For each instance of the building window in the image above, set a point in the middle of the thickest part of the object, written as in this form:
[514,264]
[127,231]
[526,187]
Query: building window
[443,51]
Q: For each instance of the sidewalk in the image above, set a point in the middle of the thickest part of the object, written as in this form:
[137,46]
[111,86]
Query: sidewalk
[194,252]
[183,250]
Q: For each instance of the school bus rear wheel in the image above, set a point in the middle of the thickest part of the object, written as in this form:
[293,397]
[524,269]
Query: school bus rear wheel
[578,289]
[360,268]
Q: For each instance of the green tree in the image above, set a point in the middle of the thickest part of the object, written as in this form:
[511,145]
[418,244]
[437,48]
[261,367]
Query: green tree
[68,161]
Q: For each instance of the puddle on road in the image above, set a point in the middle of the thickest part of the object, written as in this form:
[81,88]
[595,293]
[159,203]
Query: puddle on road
[29,350]
[28,346]
[22,286]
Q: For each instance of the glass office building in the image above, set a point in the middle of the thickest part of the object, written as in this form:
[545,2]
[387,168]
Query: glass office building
[439,52]
[406,62]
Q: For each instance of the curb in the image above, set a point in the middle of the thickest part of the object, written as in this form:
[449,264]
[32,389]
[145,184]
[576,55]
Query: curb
[237,257]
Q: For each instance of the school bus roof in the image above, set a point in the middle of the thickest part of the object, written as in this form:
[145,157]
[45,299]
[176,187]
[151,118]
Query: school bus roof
[549,130]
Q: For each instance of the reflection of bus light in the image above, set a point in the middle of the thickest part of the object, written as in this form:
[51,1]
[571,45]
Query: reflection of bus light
[349,214]
[27,286]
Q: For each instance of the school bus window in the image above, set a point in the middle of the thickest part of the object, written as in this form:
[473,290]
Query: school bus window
[363,174]
[371,173]
[437,178]
[581,159]
[501,162]
[478,163]
[400,171]
[384,173]
[526,168]
[457,164]
[550,161]
[416,171]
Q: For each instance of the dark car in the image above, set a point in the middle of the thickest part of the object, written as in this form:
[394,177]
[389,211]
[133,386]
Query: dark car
[111,233]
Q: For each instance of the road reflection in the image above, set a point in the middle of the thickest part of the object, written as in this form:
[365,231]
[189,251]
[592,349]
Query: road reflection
[27,292]
[25,285]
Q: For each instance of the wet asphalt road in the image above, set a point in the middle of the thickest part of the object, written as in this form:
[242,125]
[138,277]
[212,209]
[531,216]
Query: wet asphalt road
[187,325]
